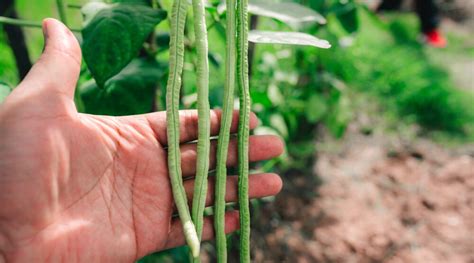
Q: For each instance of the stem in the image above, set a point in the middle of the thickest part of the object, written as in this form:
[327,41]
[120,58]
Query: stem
[224,134]
[18,22]
[25,23]
[243,132]
[74,6]
[16,39]
[176,60]
[62,7]
[203,145]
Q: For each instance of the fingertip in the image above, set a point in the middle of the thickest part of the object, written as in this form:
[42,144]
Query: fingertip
[254,121]
[278,144]
[275,183]
[59,37]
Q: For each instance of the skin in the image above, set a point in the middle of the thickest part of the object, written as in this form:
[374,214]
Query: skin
[83,188]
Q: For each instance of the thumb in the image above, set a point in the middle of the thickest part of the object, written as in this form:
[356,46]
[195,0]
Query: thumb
[59,66]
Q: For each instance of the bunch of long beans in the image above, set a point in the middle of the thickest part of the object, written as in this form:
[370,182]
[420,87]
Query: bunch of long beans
[236,73]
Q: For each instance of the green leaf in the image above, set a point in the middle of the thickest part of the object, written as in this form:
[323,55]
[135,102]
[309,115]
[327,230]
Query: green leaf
[91,9]
[316,108]
[346,13]
[140,2]
[340,113]
[292,14]
[130,92]
[4,91]
[278,123]
[289,38]
[115,36]
[289,13]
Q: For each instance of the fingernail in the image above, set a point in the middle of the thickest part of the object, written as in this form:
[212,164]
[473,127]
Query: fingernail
[45,29]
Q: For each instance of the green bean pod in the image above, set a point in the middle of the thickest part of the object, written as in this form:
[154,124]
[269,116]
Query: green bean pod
[203,145]
[243,132]
[224,135]
[176,60]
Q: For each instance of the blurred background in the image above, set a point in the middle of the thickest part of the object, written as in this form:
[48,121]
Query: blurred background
[379,129]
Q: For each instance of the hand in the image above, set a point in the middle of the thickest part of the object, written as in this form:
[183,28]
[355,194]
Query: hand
[78,187]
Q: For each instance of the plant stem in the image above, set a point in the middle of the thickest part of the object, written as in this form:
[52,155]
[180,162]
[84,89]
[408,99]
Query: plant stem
[62,8]
[203,145]
[224,135]
[25,23]
[243,132]
[19,22]
[74,6]
[176,60]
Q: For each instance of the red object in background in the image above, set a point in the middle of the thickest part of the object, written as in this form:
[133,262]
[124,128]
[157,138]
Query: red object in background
[435,39]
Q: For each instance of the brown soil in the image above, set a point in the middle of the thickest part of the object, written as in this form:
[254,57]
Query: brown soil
[373,201]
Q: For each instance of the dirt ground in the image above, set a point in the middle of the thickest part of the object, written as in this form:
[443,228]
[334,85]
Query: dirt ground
[373,200]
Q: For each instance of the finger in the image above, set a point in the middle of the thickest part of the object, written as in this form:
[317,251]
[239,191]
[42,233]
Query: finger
[261,147]
[176,236]
[260,185]
[58,68]
[188,120]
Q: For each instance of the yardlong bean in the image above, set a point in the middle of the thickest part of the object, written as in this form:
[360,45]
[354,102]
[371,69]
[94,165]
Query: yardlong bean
[224,134]
[203,145]
[177,24]
[243,131]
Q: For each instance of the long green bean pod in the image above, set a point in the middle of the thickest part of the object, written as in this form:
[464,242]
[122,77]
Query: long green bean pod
[243,132]
[224,135]
[203,145]
[177,23]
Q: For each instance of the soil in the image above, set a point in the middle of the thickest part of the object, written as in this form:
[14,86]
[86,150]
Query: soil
[373,200]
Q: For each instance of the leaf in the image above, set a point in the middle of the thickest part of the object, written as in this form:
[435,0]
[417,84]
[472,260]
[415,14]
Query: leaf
[290,13]
[278,122]
[130,92]
[316,108]
[346,13]
[91,9]
[139,2]
[4,91]
[289,38]
[115,36]
[340,113]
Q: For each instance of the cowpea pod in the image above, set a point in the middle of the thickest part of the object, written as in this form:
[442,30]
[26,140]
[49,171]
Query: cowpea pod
[224,134]
[243,130]
[177,24]
[203,145]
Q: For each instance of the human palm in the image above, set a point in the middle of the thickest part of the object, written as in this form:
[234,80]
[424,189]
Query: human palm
[80,187]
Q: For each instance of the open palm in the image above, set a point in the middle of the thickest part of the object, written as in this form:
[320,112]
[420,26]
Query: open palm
[79,187]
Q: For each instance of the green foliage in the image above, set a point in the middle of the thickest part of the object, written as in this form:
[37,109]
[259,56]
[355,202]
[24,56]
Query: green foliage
[346,12]
[132,91]
[398,71]
[115,36]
